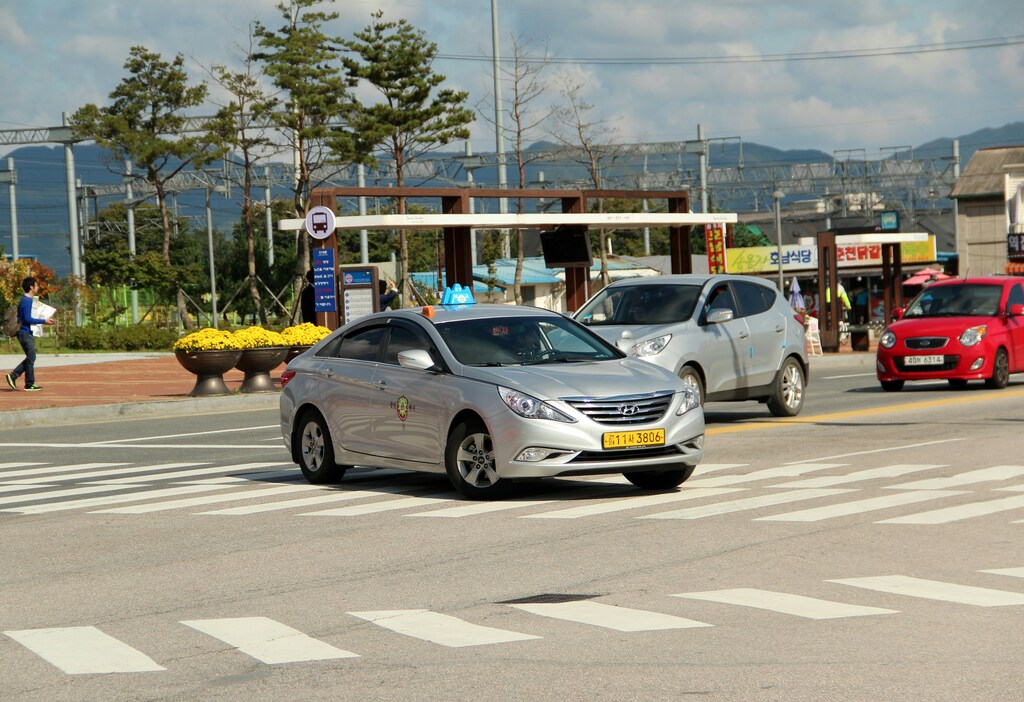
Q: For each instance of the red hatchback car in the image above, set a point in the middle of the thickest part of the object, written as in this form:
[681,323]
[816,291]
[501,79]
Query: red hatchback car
[956,330]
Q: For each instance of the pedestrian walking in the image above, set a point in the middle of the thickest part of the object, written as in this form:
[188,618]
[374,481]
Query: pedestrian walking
[25,338]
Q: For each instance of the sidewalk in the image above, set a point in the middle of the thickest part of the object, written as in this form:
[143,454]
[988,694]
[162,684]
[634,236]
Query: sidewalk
[97,387]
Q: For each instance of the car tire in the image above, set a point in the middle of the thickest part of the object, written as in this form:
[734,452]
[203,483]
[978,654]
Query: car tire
[660,480]
[690,376]
[469,462]
[892,385]
[1000,371]
[787,396]
[957,383]
[314,451]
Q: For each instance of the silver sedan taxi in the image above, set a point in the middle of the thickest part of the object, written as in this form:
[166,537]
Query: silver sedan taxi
[487,394]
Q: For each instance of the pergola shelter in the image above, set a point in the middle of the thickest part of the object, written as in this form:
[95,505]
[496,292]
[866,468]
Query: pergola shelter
[457,223]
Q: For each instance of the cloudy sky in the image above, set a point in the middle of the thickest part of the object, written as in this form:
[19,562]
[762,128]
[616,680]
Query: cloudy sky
[825,74]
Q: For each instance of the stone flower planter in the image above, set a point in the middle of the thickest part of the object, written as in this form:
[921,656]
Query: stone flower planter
[209,368]
[257,364]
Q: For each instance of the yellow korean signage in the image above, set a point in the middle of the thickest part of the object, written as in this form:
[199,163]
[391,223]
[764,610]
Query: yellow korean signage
[765,259]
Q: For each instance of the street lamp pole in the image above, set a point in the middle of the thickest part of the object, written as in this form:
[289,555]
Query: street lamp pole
[777,196]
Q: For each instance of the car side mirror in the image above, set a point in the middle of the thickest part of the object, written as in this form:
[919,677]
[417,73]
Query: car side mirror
[417,359]
[1016,310]
[898,313]
[625,343]
[719,315]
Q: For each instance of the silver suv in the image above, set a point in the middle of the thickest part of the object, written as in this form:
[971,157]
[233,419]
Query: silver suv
[730,337]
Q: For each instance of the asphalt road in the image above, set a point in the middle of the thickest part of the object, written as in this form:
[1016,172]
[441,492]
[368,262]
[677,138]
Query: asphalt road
[868,549]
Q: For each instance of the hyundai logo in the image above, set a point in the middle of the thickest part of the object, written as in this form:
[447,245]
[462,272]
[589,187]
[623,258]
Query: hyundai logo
[628,410]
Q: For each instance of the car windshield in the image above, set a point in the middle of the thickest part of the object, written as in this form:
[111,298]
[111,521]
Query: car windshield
[641,304]
[956,301]
[522,341]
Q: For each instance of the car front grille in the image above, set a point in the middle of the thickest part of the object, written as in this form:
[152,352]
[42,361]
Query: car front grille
[625,410]
[948,363]
[927,342]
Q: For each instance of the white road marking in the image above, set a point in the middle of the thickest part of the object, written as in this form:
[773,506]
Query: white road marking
[5,466]
[332,496]
[84,649]
[247,477]
[786,471]
[844,509]
[935,590]
[78,474]
[608,506]
[797,605]
[1013,572]
[982,475]
[16,488]
[610,616]
[70,470]
[883,450]
[152,477]
[253,494]
[202,447]
[744,504]
[375,507]
[69,492]
[440,628]
[268,641]
[475,508]
[113,500]
[194,433]
[849,375]
[958,512]
[893,471]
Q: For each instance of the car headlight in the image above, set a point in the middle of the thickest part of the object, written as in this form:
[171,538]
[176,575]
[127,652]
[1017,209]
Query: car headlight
[691,400]
[887,340]
[530,407]
[652,347]
[974,335]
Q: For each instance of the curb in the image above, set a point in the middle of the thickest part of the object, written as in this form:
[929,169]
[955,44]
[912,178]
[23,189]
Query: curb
[138,410]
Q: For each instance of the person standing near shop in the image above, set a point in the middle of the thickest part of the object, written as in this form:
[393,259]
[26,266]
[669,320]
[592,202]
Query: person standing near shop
[25,338]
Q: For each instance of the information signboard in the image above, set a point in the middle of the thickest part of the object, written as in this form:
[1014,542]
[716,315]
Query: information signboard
[359,294]
[324,281]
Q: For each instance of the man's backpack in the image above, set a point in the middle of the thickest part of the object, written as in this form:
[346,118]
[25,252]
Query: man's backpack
[12,325]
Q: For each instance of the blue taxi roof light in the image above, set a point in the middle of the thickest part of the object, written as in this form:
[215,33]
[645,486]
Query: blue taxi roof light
[458,295]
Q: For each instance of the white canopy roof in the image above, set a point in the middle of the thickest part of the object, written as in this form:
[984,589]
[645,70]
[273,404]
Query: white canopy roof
[522,221]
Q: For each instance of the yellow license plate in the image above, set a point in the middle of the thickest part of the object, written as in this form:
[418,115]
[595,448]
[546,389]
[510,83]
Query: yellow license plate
[633,439]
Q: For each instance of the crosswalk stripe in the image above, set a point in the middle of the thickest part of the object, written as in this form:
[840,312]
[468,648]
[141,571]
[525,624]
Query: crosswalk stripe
[112,500]
[958,512]
[893,471]
[779,472]
[786,603]
[77,474]
[81,650]
[268,475]
[936,590]
[53,494]
[982,475]
[268,641]
[374,507]
[175,475]
[476,508]
[252,494]
[608,506]
[744,504]
[609,616]
[64,472]
[440,628]
[332,496]
[1014,572]
[844,509]
[17,488]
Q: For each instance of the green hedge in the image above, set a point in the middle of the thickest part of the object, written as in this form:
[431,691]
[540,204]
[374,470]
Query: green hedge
[140,337]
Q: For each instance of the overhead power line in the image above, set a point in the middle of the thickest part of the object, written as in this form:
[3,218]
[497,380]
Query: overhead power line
[966,45]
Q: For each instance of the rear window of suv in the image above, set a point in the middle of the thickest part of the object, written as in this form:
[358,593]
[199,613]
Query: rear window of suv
[641,304]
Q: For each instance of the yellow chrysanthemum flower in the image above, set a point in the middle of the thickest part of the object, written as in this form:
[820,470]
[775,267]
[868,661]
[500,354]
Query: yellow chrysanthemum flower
[304,334]
[208,339]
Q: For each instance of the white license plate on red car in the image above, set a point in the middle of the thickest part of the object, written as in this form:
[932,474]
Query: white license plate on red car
[934,360]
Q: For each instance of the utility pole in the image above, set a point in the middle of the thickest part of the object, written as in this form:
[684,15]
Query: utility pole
[12,179]
[130,206]
[499,128]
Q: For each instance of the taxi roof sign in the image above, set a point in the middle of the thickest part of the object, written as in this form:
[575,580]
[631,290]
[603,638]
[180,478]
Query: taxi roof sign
[457,295]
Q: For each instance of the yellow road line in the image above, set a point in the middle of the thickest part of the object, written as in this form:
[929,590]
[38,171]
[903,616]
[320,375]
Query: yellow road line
[869,411]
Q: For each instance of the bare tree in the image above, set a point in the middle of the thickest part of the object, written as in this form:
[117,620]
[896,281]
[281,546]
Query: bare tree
[584,138]
[525,76]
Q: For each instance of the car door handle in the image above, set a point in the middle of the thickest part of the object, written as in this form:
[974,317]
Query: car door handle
[779,329]
[382,384]
[327,373]
[744,335]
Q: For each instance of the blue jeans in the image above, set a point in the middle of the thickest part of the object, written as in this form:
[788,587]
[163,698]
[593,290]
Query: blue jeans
[28,366]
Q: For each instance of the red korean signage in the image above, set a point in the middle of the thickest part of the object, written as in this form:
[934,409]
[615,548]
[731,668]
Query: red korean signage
[714,235]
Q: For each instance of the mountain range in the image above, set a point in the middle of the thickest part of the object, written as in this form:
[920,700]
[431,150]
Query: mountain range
[41,190]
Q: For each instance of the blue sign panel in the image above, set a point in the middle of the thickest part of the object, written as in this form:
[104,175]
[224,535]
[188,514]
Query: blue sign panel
[325,285]
[358,276]
[890,221]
